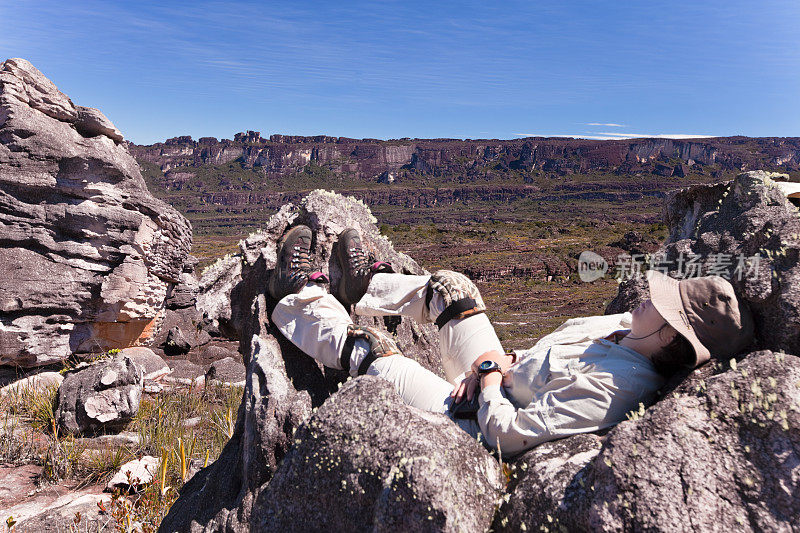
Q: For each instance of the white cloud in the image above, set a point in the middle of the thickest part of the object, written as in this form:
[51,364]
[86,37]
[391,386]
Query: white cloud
[607,136]
[609,124]
[652,135]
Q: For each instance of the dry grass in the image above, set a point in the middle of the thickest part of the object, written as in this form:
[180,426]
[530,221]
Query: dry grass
[28,435]
[32,404]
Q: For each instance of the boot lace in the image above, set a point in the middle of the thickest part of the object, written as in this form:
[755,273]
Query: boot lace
[359,261]
[300,265]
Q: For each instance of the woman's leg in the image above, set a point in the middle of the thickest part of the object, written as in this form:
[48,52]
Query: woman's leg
[419,387]
[461,341]
[317,323]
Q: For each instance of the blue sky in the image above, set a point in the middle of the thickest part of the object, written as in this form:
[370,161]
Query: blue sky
[390,69]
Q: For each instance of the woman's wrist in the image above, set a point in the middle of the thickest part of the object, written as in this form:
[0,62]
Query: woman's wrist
[491,379]
[504,360]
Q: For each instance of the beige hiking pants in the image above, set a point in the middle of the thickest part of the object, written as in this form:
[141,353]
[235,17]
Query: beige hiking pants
[317,323]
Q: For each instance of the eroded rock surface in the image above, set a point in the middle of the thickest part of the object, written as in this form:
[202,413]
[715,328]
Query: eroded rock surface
[719,453]
[102,396]
[366,461]
[86,253]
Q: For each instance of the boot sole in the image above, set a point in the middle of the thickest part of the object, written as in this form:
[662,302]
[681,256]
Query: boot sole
[297,230]
[342,257]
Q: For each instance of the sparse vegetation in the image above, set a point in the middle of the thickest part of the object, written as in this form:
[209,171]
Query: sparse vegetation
[186,428]
[32,404]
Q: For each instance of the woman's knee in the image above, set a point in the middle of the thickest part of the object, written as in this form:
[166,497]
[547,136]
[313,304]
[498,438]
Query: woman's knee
[458,297]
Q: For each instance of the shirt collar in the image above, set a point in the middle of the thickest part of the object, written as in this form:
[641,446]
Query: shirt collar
[611,345]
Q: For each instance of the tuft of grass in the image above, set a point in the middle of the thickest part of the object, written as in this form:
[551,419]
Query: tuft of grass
[162,431]
[17,445]
[62,458]
[101,465]
[33,404]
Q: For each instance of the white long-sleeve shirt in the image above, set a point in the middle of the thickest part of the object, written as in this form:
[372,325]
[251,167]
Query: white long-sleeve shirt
[571,381]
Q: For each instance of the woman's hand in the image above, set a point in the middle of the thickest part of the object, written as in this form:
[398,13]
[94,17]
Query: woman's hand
[465,389]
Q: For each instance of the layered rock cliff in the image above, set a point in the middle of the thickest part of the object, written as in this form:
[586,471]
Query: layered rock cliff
[87,255]
[372,160]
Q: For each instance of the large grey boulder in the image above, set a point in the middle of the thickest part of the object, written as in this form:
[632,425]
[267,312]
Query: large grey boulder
[227,371]
[544,477]
[366,461]
[282,384]
[153,367]
[102,396]
[229,286]
[87,255]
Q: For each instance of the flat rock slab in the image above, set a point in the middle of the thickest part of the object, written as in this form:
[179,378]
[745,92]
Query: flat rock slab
[214,351]
[185,373]
[16,482]
[227,371]
[49,507]
[153,366]
[38,382]
[10,374]
[100,442]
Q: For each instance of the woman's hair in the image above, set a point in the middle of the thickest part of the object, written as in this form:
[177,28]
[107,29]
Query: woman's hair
[675,356]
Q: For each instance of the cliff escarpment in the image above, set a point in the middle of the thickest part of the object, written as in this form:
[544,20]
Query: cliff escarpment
[372,159]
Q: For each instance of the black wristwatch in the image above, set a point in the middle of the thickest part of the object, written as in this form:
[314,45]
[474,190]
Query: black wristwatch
[487,367]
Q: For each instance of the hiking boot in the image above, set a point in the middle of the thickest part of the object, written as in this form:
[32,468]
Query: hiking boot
[357,267]
[293,269]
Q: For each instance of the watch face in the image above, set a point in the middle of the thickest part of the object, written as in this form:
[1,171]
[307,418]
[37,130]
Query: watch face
[486,365]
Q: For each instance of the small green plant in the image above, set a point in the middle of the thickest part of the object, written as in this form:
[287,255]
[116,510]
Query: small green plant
[225,422]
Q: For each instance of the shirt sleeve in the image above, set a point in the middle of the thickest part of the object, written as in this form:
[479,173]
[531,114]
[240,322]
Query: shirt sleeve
[567,406]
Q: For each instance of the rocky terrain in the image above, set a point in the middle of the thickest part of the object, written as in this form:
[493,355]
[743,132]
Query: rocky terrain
[718,451]
[224,185]
[102,342]
[139,394]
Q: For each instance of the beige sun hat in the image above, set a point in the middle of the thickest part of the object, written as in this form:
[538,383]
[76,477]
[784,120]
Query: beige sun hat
[706,311]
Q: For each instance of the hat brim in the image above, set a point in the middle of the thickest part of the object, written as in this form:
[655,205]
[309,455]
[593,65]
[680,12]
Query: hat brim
[666,297]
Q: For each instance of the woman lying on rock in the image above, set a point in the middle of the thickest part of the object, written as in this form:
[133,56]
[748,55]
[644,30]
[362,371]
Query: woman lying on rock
[584,376]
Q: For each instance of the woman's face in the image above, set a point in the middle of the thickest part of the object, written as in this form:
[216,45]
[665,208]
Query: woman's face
[645,319]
